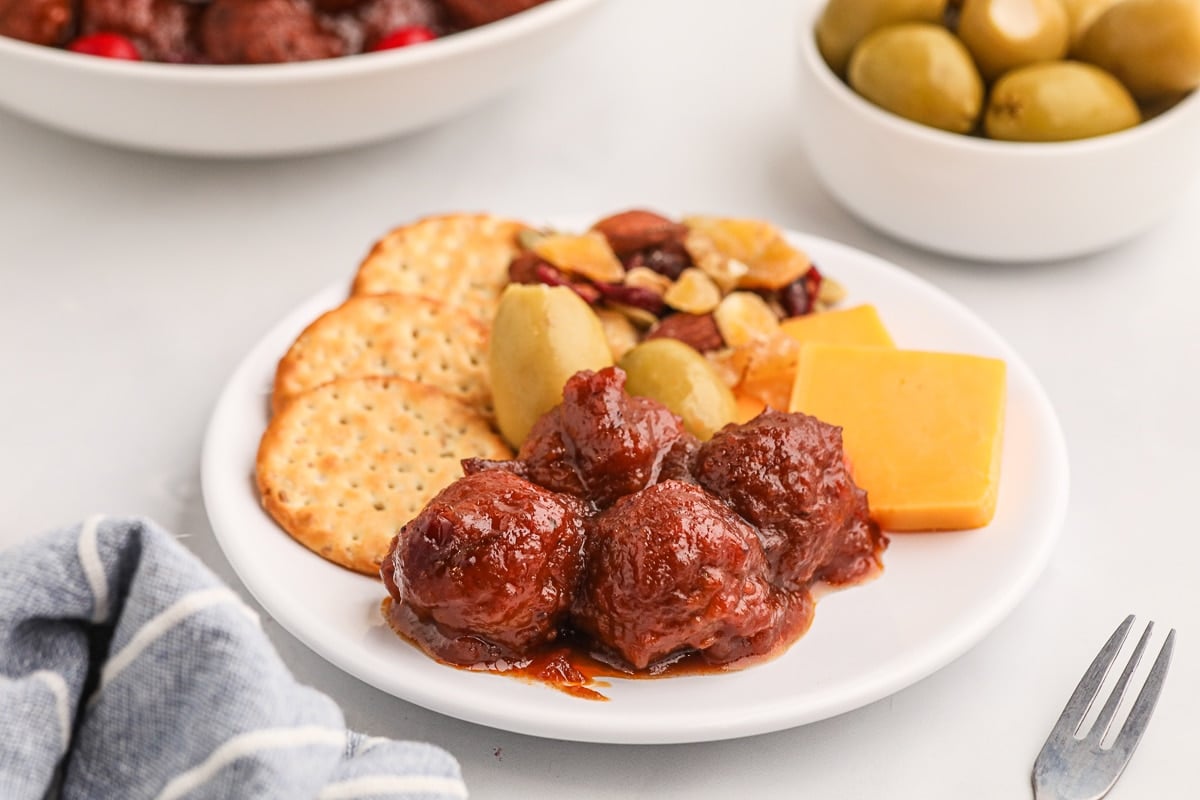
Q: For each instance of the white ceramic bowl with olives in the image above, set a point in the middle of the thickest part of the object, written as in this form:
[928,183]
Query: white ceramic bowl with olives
[1016,150]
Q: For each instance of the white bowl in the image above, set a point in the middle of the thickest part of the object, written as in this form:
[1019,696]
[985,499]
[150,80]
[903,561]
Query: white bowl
[983,199]
[279,109]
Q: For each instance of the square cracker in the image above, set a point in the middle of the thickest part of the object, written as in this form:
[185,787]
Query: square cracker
[389,335]
[342,467]
[460,257]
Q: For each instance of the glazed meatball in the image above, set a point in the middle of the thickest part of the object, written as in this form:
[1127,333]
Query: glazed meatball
[670,570]
[45,22]
[601,444]
[266,31]
[787,475]
[472,13]
[491,557]
[161,29]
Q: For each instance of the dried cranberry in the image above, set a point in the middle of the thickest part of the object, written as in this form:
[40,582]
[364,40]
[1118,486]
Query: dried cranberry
[587,291]
[403,37]
[800,296]
[550,275]
[529,268]
[547,273]
[106,45]
[636,296]
[670,259]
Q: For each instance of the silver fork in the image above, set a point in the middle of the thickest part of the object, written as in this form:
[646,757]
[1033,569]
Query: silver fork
[1071,767]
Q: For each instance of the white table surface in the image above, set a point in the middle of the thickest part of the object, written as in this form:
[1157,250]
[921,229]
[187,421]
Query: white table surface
[130,286]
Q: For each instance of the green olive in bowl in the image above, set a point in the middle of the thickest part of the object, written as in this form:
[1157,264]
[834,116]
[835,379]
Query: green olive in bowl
[1006,34]
[921,72]
[844,23]
[1057,101]
[1080,16]
[1151,46]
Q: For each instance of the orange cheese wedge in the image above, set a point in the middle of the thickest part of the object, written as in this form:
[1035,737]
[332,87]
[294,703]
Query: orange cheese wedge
[922,430]
[859,325]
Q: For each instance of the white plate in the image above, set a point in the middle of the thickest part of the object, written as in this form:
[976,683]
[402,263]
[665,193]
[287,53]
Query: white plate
[938,596]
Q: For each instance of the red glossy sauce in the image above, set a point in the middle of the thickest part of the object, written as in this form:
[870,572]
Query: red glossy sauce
[571,665]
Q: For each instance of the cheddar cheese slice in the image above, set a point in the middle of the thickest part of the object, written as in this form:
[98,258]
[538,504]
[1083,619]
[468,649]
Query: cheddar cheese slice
[923,431]
[859,325]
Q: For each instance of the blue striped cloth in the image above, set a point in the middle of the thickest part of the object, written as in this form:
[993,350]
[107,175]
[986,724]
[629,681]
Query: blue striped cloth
[128,670]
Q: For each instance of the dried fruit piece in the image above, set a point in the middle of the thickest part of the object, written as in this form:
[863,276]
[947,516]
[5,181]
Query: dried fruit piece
[698,330]
[669,259]
[743,239]
[648,300]
[743,317]
[779,265]
[771,262]
[800,296]
[770,369]
[646,278]
[725,271]
[587,255]
[533,271]
[694,292]
[631,231]
[728,363]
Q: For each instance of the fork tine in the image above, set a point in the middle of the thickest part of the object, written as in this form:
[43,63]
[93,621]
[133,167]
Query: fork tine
[1085,693]
[1143,707]
[1100,727]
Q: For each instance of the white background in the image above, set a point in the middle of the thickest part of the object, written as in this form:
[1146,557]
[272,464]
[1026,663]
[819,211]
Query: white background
[130,286]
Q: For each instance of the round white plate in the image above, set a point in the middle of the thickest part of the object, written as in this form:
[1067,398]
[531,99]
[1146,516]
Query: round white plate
[938,596]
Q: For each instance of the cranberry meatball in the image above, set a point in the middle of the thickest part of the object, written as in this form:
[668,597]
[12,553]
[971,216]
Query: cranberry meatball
[787,475]
[473,13]
[265,32]
[492,557]
[161,29]
[45,22]
[671,570]
[601,444]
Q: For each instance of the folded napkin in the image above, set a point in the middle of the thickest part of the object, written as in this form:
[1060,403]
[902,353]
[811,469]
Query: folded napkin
[128,670]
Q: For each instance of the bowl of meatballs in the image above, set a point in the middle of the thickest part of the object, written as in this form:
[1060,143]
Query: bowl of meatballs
[1003,130]
[254,78]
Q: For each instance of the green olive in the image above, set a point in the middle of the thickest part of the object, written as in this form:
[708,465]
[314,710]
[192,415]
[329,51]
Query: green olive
[1006,34]
[676,375]
[844,23]
[1152,46]
[919,71]
[1081,14]
[1056,101]
[541,336]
